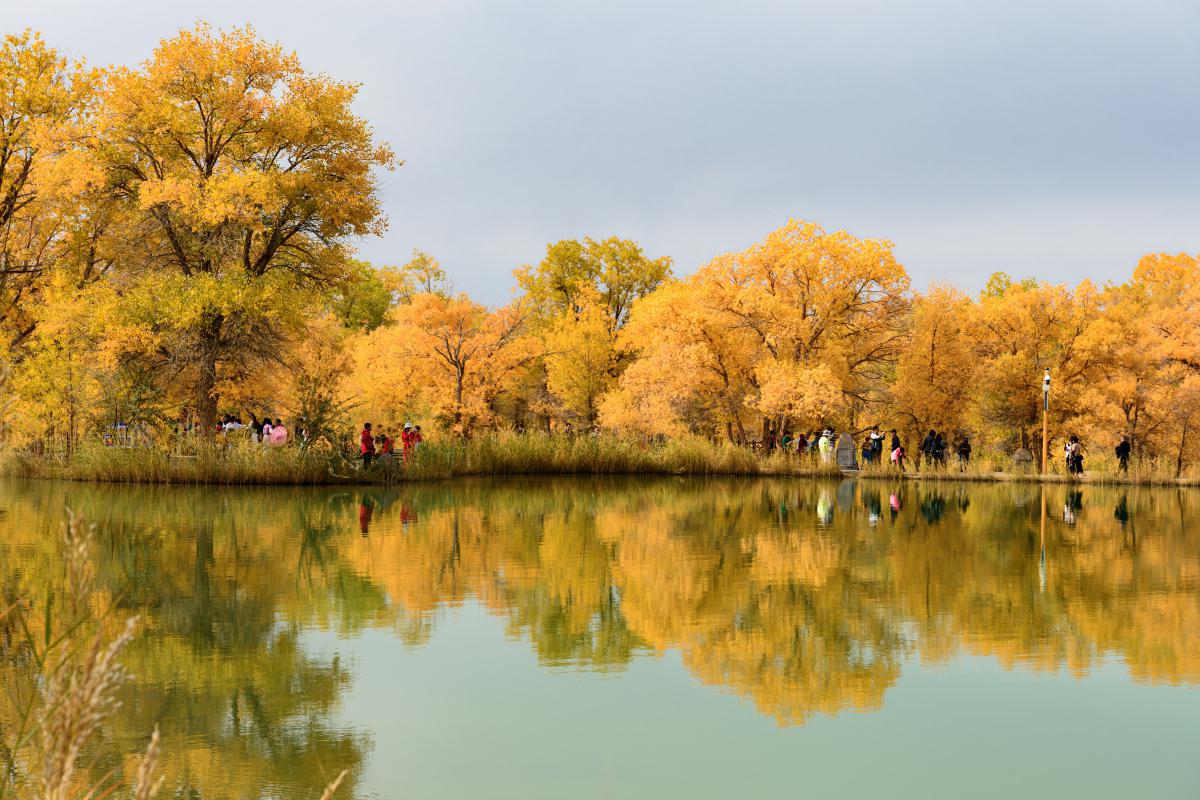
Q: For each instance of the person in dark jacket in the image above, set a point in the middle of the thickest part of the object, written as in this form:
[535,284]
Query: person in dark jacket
[1123,450]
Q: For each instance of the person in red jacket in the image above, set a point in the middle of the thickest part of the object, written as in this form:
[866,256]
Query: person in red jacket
[367,445]
[406,440]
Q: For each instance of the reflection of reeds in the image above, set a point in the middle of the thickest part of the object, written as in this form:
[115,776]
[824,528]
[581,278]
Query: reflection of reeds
[62,685]
[66,687]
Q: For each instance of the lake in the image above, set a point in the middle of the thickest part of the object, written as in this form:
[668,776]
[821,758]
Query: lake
[657,638]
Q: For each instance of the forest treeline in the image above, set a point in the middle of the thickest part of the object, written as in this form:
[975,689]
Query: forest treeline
[175,240]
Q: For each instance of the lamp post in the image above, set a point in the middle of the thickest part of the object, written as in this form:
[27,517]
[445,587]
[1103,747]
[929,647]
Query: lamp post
[1045,419]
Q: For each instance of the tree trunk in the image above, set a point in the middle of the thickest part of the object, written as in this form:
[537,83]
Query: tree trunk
[206,382]
[1182,450]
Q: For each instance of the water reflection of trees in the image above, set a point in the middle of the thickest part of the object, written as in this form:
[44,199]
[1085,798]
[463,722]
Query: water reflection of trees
[224,583]
[806,598]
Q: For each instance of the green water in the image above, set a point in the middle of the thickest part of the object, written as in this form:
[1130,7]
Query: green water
[544,638]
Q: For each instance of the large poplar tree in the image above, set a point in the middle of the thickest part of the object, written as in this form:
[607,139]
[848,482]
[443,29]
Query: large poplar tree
[244,176]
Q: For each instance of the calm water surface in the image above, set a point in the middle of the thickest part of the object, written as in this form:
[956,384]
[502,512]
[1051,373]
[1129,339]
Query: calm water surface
[651,638]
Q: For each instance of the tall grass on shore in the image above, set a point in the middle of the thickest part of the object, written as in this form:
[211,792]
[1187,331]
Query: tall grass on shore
[993,466]
[501,453]
[510,453]
[237,464]
[507,453]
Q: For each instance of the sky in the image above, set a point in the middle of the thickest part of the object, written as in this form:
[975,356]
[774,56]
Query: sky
[1053,139]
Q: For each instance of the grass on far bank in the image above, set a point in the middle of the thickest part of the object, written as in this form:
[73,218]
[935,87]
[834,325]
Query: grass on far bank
[508,453]
[994,466]
[244,464]
[502,453]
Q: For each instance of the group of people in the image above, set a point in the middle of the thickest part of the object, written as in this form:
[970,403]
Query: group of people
[265,431]
[934,449]
[814,443]
[375,446]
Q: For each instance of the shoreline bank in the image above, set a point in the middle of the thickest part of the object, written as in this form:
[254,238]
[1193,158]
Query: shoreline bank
[397,477]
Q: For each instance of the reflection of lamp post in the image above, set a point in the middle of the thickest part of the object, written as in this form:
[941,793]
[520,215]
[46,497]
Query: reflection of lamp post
[1045,419]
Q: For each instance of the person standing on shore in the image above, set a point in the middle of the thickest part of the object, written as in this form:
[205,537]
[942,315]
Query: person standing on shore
[366,445]
[406,441]
[928,448]
[963,450]
[876,440]
[1075,456]
[1123,450]
[825,446]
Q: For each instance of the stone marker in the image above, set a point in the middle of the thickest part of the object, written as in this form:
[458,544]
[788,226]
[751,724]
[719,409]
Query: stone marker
[846,452]
[1022,460]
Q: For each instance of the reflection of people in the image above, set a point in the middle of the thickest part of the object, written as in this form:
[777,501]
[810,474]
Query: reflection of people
[407,515]
[366,510]
[873,505]
[1073,504]
[933,506]
[824,508]
[1121,512]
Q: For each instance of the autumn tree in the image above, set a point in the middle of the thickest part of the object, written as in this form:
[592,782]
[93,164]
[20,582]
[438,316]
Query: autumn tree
[449,355]
[1018,330]
[693,372]
[1144,348]
[246,174]
[803,324]
[582,293]
[421,274]
[41,92]
[935,373]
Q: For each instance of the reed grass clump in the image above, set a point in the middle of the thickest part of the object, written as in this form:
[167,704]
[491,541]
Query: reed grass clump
[62,671]
[242,463]
[509,453]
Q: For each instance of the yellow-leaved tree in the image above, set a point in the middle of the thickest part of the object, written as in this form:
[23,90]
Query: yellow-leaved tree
[801,327]
[581,295]
[41,94]
[1017,330]
[448,356]
[245,175]
[935,374]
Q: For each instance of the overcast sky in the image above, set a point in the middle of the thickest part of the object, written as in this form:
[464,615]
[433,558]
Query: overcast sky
[1056,139]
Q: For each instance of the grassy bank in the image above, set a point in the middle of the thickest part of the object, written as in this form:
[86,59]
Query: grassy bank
[509,454]
[246,465]
[999,468]
[493,454]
